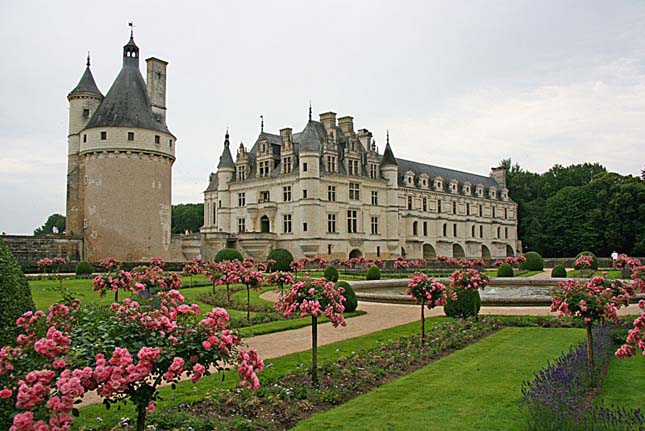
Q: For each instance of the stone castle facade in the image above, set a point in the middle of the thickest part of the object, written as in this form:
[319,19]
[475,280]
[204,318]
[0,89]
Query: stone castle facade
[120,157]
[326,190]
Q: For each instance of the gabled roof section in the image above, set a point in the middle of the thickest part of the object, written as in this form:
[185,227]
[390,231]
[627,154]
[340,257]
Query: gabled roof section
[212,183]
[86,84]
[445,173]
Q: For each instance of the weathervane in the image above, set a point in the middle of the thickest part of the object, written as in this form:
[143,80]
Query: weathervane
[309,109]
[131,24]
[261,123]
[88,59]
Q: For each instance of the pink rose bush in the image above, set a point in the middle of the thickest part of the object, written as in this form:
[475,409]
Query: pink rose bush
[314,298]
[636,336]
[467,282]
[193,267]
[280,279]
[61,355]
[427,293]
[119,280]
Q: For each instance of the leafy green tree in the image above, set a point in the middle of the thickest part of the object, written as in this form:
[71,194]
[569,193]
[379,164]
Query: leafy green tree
[187,217]
[54,220]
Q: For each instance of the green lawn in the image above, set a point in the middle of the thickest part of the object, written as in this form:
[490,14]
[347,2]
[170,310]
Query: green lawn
[623,385]
[477,388]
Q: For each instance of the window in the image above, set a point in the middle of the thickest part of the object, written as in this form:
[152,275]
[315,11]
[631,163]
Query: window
[286,162]
[481,231]
[328,248]
[304,227]
[353,167]
[374,198]
[331,163]
[304,194]
[454,230]
[157,139]
[424,204]
[286,193]
[241,199]
[304,167]
[415,226]
[493,212]
[331,223]
[354,191]
[409,202]
[352,221]
[498,232]
[378,251]
[445,229]
[467,209]
[265,196]
[264,168]
[425,228]
[506,232]
[86,113]
[286,223]
[472,231]
[241,173]
[130,136]
[505,212]
[170,143]
[481,211]
[374,225]
[103,136]
[454,207]
[373,170]
[84,137]
[220,204]
[331,193]
[241,225]
[439,206]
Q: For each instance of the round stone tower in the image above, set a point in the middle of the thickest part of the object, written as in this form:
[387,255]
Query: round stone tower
[125,158]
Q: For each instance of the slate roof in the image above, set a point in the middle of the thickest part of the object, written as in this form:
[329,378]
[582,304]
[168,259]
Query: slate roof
[388,157]
[445,173]
[312,136]
[212,183]
[86,84]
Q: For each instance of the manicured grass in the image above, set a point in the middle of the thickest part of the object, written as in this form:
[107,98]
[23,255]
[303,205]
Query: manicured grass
[187,392]
[528,273]
[474,388]
[611,273]
[623,385]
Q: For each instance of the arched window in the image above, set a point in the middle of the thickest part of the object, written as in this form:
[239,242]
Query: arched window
[472,231]
[415,226]
[445,229]
[498,232]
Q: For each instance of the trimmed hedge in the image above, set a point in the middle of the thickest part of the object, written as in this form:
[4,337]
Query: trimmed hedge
[505,270]
[559,271]
[534,262]
[373,273]
[228,254]
[464,305]
[351,302]
[594,263]
[84,268]
[331,273]
[283,259]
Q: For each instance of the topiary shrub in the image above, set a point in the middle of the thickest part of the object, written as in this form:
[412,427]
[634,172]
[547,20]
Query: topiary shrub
[331,273]
[534,262]
[505,270]
[283,259]
[559,271]
[228,254]
[15,299]
[464,305]
[84,269]
[373,273]
[350,296]
[594,263]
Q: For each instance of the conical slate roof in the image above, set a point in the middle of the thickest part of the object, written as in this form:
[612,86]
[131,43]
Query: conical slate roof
[388,157]
[226,159]
[127,103]
[86,84]
[312,136]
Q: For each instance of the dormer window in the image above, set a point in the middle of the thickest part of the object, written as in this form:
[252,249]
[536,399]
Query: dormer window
[480,191]
[438,184]
[331,164]
[492,193]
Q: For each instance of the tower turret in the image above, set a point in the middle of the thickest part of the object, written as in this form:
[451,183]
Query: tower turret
[225,172]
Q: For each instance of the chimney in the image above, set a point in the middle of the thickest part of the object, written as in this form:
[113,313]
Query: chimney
[365,138]
[499,175]
[156,87]
[346,124]
[328,119]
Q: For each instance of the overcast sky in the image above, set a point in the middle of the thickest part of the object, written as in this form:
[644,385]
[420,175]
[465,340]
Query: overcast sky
[460,84]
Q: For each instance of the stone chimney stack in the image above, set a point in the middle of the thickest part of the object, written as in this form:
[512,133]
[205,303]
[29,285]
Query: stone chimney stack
[499,175]
[286,133]
[156,87]
[346,124]
[328,119]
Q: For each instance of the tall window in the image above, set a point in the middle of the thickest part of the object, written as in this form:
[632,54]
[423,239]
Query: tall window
[445,229]
[439,206]
[265,196]
[352,221]
[505,212]
[286,162]
[498,232]
[373,170]
[331,223]
[415,228]
[241,225]
[354,192]
[264,168]
[304,167]
[481,231]
[454,207]
[425,228]
[506,232]
[286,193]
[467,209]
[409,202]
[241,173]
[304,194]
[481,211]
[331,193]
[472,231]
[354,168]
[493,212]
[374,198]
[241,199]
[286,223]
[331,163]
[424,204]
[454,230]
[374,225]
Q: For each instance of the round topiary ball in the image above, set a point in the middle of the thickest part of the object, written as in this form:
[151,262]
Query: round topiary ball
[283,259]
[559,271]
[228,254]
[464,305]
[505,270]
[373,273]
[331,273]
[84,269]
[534,262]
[594,263]
[351,302]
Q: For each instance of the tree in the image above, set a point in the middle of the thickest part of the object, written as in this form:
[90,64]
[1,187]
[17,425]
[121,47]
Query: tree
[426,292]
[53,221]
[187,217]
